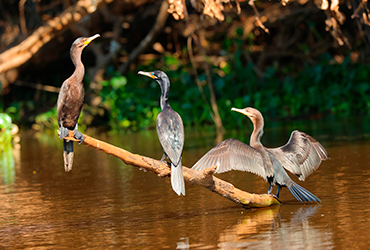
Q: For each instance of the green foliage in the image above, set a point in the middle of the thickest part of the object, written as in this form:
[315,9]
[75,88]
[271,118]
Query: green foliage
[5,130]
[341,89]
[7,171]
[133,101]
[46,121]
[280,92]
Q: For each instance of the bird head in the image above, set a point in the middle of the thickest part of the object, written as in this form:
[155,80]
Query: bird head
[160,77]
[82,42]
[252,113]
[156,75]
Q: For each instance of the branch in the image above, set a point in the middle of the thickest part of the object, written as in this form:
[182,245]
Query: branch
[257,16]
[203,178]
[148,40]
[21,53]
[216,115]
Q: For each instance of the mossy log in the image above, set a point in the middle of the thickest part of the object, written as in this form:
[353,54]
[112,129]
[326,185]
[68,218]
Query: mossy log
[203,178]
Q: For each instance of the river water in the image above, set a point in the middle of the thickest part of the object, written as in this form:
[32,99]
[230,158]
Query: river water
[104,203]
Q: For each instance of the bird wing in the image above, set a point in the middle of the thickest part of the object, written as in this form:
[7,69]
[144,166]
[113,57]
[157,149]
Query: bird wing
[62,97]
[170,130]
[233,154]
[301,155]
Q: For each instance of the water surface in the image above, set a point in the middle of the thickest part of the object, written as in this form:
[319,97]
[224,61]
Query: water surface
[104,203]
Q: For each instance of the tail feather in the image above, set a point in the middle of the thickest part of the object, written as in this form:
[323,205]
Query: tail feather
[177,179]
[293,192]
[302,194]
[68,155]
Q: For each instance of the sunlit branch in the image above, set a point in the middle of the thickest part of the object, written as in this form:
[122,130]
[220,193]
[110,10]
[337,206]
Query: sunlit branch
[203,178]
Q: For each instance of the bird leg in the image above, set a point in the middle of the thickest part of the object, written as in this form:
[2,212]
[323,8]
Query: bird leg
[278,191]
[163,157]
[269,190]
[78,134]
[63,132]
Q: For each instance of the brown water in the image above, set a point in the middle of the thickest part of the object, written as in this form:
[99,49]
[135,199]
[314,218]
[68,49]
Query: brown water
[103,203]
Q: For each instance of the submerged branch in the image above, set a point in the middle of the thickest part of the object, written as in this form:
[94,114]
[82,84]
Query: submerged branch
[203,178]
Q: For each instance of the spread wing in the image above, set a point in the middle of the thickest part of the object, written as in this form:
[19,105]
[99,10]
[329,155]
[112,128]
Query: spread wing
[301,155]
[233,154]
[170,130]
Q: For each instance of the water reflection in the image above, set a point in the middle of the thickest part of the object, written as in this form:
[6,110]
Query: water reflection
[265,229]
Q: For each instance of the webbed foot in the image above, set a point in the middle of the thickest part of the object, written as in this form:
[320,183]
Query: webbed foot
[63,132]
[79,136]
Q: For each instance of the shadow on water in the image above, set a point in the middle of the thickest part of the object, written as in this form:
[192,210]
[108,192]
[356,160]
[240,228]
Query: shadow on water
[104,203]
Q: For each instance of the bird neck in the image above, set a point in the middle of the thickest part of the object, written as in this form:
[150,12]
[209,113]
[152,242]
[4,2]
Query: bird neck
[164,100]
[79,72]
[257,133]
[165,87]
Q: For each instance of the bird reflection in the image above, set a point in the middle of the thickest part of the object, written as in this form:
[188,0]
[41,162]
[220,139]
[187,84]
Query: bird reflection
[272,225]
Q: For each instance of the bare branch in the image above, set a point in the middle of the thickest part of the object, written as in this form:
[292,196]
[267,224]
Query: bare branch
[38,86]
[21,53]
[148,40]
[257,16]
[22,19]
[203,178]
[216,115]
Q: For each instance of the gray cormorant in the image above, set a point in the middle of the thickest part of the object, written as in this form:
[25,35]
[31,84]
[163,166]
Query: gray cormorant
[170,130]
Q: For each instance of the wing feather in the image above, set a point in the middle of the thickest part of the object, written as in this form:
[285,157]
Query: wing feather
[301,155]
[233,154]
[170,130]
[61,98]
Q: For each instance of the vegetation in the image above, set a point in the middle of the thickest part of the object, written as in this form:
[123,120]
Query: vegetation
[340,89]
[313,75]
[131,102]
[5,130]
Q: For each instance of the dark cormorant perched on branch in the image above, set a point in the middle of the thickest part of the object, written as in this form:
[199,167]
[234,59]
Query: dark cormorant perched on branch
[301,156]
[70,100]
[170,130]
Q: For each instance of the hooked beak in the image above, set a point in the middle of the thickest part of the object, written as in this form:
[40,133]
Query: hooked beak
[242,111]
[148,74]
[91,38]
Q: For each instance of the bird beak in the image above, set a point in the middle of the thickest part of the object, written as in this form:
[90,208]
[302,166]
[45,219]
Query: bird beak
[148,74]
[242,111]
[89,40]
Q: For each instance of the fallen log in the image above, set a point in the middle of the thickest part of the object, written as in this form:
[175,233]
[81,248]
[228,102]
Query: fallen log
[203,178]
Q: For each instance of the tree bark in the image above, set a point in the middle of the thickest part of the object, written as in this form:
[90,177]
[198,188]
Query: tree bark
[203,178]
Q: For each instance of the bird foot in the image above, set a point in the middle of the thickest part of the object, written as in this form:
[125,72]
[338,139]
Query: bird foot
[275,197]
[163,158]
[79,136]
[63,132]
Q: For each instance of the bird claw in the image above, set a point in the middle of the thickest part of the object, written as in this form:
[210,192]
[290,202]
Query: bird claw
[63,132]
[79,136]
[275,197]
[163,158]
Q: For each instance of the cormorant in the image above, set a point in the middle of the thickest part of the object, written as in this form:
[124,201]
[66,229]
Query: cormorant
[70,100]
[301,155]
[170,130]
